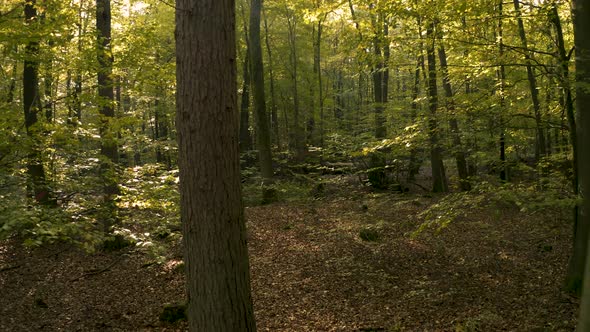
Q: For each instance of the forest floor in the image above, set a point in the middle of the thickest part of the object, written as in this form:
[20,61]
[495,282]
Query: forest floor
[496,269]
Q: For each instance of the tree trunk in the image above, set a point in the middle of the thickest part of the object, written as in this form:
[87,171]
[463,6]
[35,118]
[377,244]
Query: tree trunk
[274,117]
[108,137]
[453,123]
[576,263]
[297,135]
[540,144]
[32,106]
[582,42]
[257,71]
[414,167]
[245,138]
[318,70]
[502,86]
[439,178]
[214,233]
[580,256]
[380,73]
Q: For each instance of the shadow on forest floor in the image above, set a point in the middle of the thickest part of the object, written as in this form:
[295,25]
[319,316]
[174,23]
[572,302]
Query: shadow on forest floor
[311,271]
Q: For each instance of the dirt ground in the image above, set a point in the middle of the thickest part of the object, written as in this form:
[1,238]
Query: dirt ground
[493,270]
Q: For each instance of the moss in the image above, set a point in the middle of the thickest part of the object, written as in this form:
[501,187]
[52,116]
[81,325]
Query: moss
[117,242]
[574,286]
[369,235]
[179,268]
[40,303]
[269,195]
[172,313]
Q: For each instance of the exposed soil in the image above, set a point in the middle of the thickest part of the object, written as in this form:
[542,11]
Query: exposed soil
[494,270]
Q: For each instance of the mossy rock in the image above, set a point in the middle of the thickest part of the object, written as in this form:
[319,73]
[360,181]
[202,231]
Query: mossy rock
[318,191]
[172,313]
[179,268]
[369,235]
[573,285]
[117,242]
[269,195]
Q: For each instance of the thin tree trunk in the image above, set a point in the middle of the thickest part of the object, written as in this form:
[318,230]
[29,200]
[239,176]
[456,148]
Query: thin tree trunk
[502,87]
[297,136]
[245,135]
[245,138]
[439,178]
[274,118]
[318,68]
[380,74]
[414,168]
[257,71]
[453,123]
[540,144]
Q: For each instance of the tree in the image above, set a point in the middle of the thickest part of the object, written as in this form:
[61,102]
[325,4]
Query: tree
[540,144]
[439,177]
[216,256]
[257,71]
[581,246]
[108,148]
[32,106]
[501,77]
[273,103]
[453,122]
[380,71]
[296,139]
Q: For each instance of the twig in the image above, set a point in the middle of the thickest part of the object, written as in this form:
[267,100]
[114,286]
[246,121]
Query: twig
[99,271]
[8,268]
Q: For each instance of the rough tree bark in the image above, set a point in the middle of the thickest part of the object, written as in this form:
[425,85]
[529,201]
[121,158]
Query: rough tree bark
[108,137]
[216,256]
[380,72]
[540,146]
[439,177]
[501,74]
[273,99]
[32,106]
[459,153]
[577,274]
[296,140]
[257,73]
[245,136]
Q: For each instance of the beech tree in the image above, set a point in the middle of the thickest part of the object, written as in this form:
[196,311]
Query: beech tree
[108,147]
[216,257]
[257,71]
[32,106]
[582,233]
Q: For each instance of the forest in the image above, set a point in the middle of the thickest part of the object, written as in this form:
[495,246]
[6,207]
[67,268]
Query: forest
[304,165]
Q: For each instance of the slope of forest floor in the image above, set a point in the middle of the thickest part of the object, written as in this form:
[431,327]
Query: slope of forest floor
[345,262]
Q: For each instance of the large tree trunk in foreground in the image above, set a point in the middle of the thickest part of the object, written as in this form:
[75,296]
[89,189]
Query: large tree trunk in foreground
[582,230]
[216,256]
